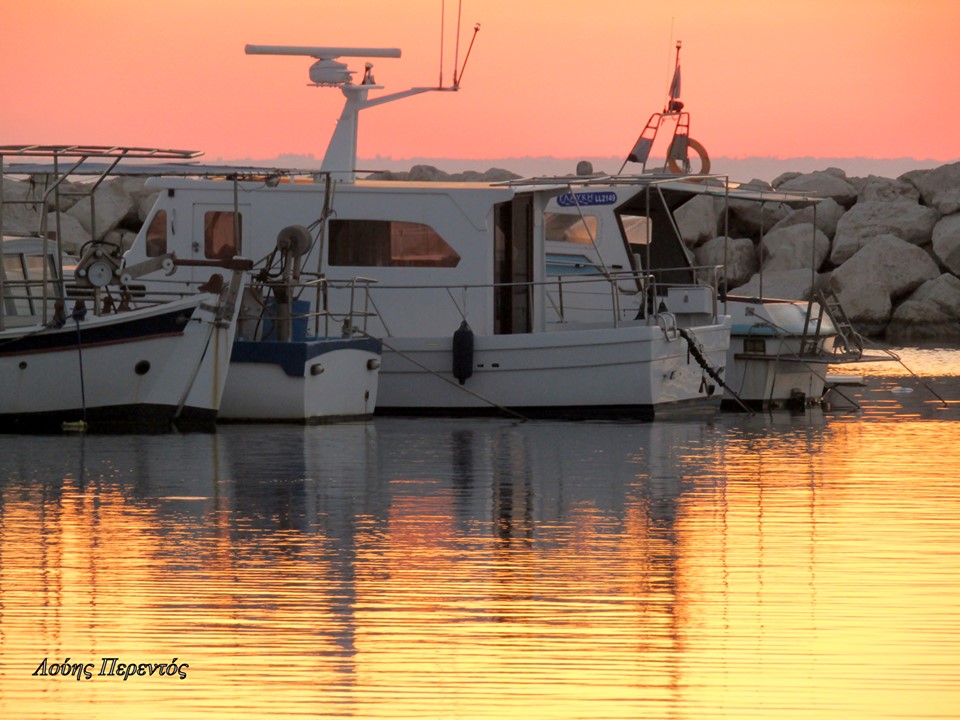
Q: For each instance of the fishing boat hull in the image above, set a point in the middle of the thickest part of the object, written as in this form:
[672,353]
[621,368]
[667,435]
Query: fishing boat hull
[311,381]
[137,371]
[632,370]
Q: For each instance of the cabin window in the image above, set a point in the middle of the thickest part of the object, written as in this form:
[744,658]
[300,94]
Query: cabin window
[157,235]
[221,240]
[562,227]
[637,230]
[388,243]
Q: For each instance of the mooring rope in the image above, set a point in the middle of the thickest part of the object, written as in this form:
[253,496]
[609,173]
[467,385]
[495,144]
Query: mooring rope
[447,380]
[697,352]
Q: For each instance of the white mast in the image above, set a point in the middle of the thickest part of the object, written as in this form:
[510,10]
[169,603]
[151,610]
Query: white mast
[340,159]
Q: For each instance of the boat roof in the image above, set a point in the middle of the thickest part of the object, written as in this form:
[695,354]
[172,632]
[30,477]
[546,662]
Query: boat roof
[256,173]
[713,185]
[96,161]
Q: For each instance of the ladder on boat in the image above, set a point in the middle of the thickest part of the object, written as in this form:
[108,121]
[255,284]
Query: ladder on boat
[848,345]
[679,143]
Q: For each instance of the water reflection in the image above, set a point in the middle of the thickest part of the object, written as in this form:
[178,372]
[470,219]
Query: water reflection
[774,566]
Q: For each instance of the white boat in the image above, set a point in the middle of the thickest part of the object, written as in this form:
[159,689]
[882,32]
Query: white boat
[280,371]
[98,357]
[449,257]
[780,350]
[289,362]
[143,369]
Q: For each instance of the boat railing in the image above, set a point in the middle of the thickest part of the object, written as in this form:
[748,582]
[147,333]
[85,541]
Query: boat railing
[50,190]
[278,311]
[572,296]
[602,298]
[29,287]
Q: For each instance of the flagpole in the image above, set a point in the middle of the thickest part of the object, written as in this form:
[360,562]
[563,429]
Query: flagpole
[674,91]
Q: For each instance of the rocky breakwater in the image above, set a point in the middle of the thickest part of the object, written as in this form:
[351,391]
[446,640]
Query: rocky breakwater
[889,249]
[113,212]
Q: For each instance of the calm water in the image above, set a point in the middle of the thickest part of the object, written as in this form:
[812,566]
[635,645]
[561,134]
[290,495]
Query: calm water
[769,566]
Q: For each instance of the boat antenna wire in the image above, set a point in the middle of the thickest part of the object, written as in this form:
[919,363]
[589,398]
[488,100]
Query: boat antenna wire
[457,70]
[443,8]
[456,53]
[456,82]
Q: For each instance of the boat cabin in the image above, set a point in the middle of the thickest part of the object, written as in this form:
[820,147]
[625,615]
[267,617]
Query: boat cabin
[431,254]
[29,281]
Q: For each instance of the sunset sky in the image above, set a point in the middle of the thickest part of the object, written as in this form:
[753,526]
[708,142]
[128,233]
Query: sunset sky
[563,78]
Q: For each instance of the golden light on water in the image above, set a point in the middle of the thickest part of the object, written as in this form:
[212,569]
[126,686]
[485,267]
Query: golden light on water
[791,568]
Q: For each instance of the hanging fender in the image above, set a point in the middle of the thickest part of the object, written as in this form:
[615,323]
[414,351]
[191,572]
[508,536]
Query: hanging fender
[463,352]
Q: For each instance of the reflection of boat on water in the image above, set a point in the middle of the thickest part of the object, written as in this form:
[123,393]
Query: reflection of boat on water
[469,320]
[112,361]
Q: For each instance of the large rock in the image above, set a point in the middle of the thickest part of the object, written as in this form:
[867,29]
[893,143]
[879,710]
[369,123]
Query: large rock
[697,219]
[739,255]
[749,218]
[73,236]
[111,204]
[884,270]
[21,219]
[824,214]
[142,199]
[939,188]
[831,183]
[943,292]
[427,173]
[780,284]
[120,238]
[867,220]
[19,190]
[914,322]
[145,205]
[884,189]
[931,313]
[946,242]
[794,247]
[489,175]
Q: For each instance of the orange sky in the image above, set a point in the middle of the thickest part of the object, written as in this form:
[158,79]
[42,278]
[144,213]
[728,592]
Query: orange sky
[564,78]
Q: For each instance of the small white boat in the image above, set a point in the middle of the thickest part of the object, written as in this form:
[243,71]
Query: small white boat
[469,317]
[280,371]
[138,370]
[780,350]
[286,363]
[92,354]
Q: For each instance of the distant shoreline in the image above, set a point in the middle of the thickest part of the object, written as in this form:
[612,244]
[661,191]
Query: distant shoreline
[740,169]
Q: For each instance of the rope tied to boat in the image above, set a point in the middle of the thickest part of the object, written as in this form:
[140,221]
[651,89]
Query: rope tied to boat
[695,349]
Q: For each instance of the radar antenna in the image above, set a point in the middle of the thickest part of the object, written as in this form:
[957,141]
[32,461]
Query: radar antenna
[340,160]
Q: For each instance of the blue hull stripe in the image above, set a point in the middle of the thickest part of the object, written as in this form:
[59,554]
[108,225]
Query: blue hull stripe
[65,338]
[293,356]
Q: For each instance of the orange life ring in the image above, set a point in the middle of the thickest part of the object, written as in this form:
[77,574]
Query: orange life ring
[699,150]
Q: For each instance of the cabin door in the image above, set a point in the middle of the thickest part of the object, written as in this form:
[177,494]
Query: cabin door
[513,266]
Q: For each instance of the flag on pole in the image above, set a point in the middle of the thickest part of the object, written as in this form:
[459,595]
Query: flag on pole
[675,84]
